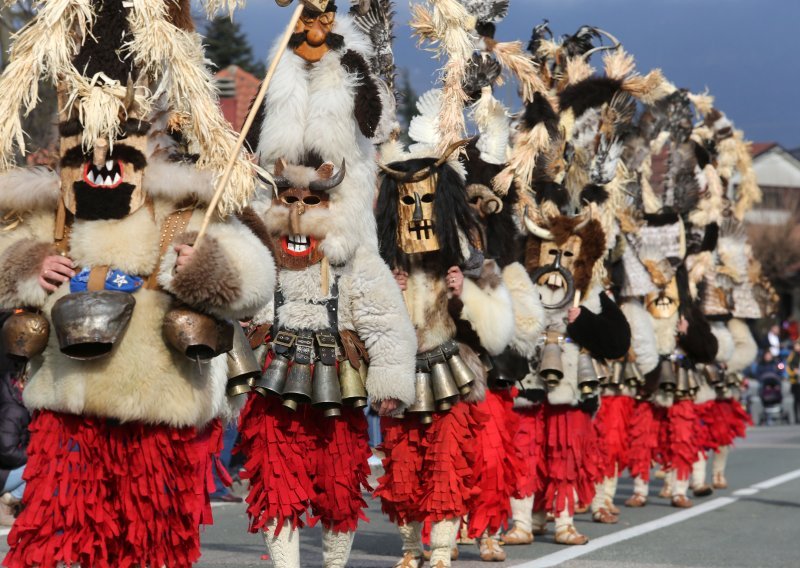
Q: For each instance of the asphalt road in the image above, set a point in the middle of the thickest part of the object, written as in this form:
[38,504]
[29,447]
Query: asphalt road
[755,523]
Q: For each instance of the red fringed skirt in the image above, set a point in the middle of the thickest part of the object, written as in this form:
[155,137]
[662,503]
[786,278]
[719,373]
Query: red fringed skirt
[497,463]
[611,425]
[104,494]
[723,421]
[684,434]
[643,436]
[529,441]
[571,458]
[296,460]
[429,468]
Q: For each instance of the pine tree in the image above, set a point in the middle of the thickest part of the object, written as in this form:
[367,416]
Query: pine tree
[226,44]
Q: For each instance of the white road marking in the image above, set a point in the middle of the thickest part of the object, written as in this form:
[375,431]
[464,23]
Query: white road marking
[596,544]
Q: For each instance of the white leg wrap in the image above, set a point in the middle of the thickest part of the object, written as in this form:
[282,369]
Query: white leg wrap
[599,499]
[563,519]
[284,548]
[336,548]
[522,513]
[699,471]
[720,460]
[539,520]
[412,538]
[680,488]
[442,534]
[610,485]
[640,486]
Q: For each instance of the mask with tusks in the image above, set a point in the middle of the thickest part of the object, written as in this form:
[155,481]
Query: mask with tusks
[294,248]
[665,302]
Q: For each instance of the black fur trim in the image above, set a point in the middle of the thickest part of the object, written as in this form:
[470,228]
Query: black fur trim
[75,157]
[71,127]
[606,335]
[710,237]
[130,155]
[550,191]
[540,110]
[453,215]
[367,104]
[485,29]
[97,203]
[590,93]
[701,154]
[699,342]
[134,126]
[478,171]
[104,49]
[661,219]
[465,333]
[592,193]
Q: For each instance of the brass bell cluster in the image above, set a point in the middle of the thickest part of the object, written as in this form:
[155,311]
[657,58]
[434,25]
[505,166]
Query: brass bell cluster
[441,378]
[243,367]
[25,334]
[634,379]
[304,370]
[588,381]
[617,377]
[666,381]
[551,368]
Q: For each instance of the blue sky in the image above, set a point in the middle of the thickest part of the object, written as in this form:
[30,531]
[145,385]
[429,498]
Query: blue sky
[744,51]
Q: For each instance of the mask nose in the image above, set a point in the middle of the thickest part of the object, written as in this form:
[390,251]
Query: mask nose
[417,208]
[557,261]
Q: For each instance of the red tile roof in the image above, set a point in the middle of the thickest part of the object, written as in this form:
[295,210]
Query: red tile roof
[758,148]
[235,111]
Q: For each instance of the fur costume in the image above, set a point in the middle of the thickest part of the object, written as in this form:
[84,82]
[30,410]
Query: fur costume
[116,218]
[302,459]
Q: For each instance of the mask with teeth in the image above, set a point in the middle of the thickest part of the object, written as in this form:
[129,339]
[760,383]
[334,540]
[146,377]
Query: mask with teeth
[664,303]
[555,260]
[415,231]
[298,211]
[103,182]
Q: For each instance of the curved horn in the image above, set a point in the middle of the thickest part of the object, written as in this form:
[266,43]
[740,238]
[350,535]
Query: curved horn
[535,229]
[331,182]
[452,148]
[615,44]
[406,177]
[280,181]
[580,226]
[130,95]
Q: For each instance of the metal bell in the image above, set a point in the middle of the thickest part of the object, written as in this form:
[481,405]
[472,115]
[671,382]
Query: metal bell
[617,374]
[298,386]
[273,379]
[424,403]
[444,387]
[693,383]
[325,391]
[682,381]
[601,370]
[243,366]
[352,385]
[666,381]
[733,380]
[587,378]
[196,335]
[88,324]
[633,375]
[712,374]
[25,335]
[462,375]
[550,367]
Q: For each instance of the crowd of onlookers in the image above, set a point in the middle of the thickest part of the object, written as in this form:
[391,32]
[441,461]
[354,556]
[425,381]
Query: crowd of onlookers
[779,356]
[14,419]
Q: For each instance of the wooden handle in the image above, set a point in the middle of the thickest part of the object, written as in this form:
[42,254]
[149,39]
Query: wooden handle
[576,299]
[226,175]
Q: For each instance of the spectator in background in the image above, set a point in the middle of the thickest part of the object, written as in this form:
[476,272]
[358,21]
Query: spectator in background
[793,370]
[14,436]
[774,341]
[767,364]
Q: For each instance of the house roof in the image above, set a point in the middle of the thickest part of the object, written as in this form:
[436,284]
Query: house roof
[758,148]
[246,86]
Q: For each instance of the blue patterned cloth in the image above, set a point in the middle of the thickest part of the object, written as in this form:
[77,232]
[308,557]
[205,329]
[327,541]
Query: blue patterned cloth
[115,280]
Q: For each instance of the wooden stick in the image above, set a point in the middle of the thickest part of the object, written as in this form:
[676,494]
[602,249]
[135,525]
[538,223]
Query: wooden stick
[576,299]
[226,175]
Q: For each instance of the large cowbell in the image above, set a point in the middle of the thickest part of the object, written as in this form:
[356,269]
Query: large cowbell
[243,366]
[88,324]
[551,369]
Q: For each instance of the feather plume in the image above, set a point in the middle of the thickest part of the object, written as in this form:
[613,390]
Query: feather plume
[649,88]
[491,118]
[703,102]
[709,208]
[213,7]
[748,193]
[618,64]
[520,65]
[486,10]
[604,163]
[174,59]
[577,70]
[528,146]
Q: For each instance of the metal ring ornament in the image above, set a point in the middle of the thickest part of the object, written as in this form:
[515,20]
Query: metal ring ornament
[556,267]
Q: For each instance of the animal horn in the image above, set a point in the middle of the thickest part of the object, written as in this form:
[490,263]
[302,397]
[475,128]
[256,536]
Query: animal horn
[615,45]
[130,95]
[588,217]
[452,148]
[331,182]
[406,177]
[535,229]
